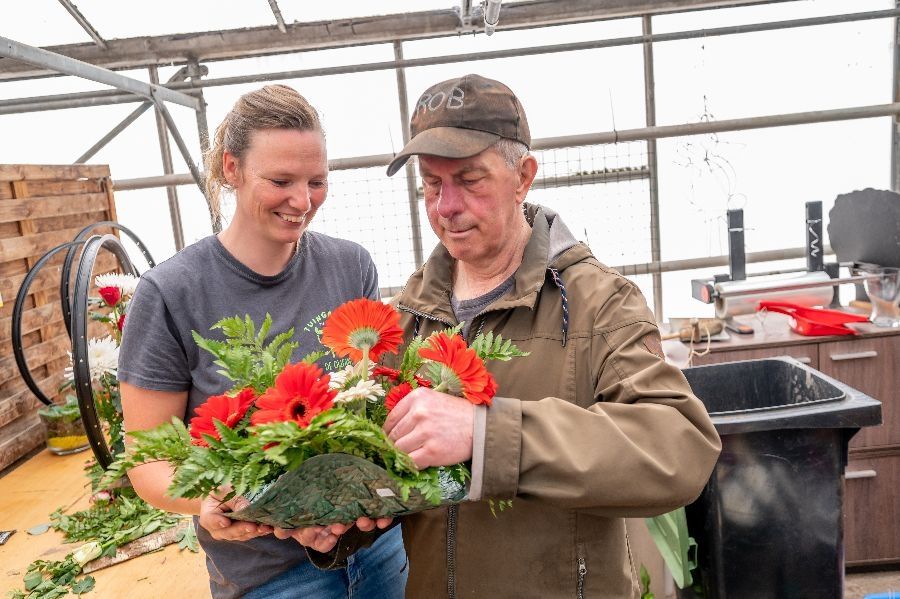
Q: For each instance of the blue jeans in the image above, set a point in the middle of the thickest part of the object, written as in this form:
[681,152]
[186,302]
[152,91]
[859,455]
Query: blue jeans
[377,572]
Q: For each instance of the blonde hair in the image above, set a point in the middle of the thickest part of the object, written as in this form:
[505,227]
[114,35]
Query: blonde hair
[271,107]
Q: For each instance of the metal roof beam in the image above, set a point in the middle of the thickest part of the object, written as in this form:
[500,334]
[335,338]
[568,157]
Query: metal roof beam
[85,24]
[69,66]
[99,98]
[263,41]
[273,4]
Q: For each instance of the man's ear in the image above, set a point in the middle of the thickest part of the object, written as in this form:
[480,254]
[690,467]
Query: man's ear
[231,168]
[527,171]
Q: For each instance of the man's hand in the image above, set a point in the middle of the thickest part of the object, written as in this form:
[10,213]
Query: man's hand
[324,538]
[434,428]
[213,517]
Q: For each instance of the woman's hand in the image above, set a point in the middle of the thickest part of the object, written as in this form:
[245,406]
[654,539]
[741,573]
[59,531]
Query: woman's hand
[214,519]
[324,538]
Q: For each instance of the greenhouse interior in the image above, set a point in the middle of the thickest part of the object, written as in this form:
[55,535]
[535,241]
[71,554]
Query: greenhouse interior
[443,298]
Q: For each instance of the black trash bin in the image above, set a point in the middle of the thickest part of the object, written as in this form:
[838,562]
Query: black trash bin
[769,521]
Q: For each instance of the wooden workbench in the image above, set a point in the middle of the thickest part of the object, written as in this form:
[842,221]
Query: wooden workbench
[32,491]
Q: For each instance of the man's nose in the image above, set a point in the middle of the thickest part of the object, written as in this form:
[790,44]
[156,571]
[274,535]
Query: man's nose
[450,202]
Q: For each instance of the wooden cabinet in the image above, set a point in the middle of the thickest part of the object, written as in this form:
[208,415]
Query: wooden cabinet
[870,363]
[872,509]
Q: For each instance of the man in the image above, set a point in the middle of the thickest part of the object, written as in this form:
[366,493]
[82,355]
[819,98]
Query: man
[592,427]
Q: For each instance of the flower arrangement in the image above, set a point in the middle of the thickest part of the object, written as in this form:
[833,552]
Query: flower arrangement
[306,446]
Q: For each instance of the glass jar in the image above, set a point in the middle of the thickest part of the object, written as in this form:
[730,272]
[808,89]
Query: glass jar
[65,431]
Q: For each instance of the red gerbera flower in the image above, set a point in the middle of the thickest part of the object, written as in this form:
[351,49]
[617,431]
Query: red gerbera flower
[386,372]
[394,375]
[299,394]
[226,409]
[396,394]
[111,295]
[461,371]
[363,323]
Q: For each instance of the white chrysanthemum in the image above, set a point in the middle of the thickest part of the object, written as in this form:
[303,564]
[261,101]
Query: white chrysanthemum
[103,357]
[127,283]
[364,389]
[339,378]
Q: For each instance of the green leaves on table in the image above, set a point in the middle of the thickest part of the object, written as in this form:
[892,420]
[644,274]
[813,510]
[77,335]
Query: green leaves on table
[187,538]
[53,579]
[113,523]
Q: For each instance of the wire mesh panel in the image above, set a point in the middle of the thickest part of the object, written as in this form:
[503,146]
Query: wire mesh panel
[372,209]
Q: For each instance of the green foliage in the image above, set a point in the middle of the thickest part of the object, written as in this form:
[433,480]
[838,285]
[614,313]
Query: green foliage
[376,412]
[313,357]
[499,505]
[645,584]
[247,463]
[244,356]
[169,442]
[113,523]
[53,579]
[678,548]
[109,408]
[491,347]
[68,411]
[411,361]
[187,538]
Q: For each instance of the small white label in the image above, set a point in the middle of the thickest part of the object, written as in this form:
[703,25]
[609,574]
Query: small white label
[385,493]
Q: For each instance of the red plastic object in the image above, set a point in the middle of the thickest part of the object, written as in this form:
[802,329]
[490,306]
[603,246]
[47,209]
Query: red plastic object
[815,321]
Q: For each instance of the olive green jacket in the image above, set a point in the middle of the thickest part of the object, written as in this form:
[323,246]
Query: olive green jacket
[591,427]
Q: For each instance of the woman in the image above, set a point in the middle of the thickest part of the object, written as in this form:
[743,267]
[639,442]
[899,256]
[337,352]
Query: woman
[270,151]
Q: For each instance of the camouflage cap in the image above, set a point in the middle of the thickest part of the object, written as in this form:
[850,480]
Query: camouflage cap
[462,117]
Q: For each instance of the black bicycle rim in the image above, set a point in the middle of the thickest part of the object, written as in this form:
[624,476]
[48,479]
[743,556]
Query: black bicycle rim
[65,298]
[18,309]
[80,366]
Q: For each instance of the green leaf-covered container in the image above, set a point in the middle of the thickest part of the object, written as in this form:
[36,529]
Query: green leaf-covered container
[337,487]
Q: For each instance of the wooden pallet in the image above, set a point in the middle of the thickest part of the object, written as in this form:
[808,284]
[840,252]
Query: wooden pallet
[40,207]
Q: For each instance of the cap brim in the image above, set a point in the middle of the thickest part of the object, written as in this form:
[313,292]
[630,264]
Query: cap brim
[446,142]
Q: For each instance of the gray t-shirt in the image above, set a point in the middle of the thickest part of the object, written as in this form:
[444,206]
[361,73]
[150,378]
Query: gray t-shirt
[467,310]
[195,289]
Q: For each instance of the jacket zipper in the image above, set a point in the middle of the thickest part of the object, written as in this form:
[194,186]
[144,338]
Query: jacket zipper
[582,571]
[424,315]
[451,551]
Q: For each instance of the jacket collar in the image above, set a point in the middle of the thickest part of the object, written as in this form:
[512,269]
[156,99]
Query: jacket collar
[428,290]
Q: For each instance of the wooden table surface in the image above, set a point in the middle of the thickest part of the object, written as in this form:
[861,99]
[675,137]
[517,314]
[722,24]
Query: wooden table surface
[31,492]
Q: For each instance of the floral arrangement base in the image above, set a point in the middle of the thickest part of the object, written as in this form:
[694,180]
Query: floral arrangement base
[338,487]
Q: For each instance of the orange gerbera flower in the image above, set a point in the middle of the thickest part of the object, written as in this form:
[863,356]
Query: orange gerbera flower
[299,394]
[226,409]
[396,394]
[461,371]
[363,323]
